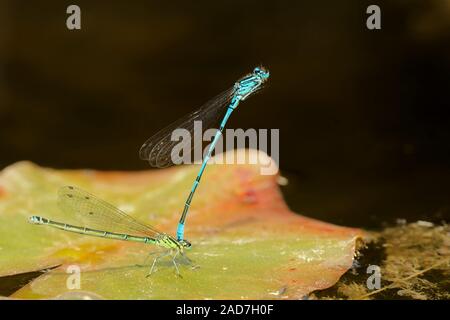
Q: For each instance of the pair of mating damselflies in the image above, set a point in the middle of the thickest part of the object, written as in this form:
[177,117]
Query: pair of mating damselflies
[98,218]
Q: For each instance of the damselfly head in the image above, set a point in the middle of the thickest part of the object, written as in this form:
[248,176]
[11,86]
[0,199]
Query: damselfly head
[261,72]
[185,244]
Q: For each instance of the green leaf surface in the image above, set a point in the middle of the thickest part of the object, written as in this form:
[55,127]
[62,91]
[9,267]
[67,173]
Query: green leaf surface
[246,243]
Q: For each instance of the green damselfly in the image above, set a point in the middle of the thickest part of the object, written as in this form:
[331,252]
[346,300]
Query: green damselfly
[98,218]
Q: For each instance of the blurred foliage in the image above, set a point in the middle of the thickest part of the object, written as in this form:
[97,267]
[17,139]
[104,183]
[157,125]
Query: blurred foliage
[414,261]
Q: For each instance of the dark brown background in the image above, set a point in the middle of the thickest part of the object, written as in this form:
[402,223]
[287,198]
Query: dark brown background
[363,115]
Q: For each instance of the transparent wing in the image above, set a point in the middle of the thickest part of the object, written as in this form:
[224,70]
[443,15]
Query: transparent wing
[158,148]
[91,212]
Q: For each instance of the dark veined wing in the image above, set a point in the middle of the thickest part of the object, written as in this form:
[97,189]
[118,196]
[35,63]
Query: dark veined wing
[90,212]
[158,148]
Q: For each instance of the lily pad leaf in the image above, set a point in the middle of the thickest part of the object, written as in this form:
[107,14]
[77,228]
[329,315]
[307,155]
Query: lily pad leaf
[246,243]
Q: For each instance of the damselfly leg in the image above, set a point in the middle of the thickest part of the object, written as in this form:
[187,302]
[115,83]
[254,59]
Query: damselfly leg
[162,255]
[177,258]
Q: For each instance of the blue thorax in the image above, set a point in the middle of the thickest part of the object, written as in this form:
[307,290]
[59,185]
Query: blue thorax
[251,83]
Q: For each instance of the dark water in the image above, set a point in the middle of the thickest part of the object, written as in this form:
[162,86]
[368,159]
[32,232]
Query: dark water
[371,205]
[363,115]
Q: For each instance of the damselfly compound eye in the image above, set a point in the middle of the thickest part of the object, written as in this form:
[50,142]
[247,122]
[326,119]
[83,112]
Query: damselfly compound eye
[185,243]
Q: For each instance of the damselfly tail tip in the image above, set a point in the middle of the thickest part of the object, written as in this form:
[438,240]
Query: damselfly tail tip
[34,220]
